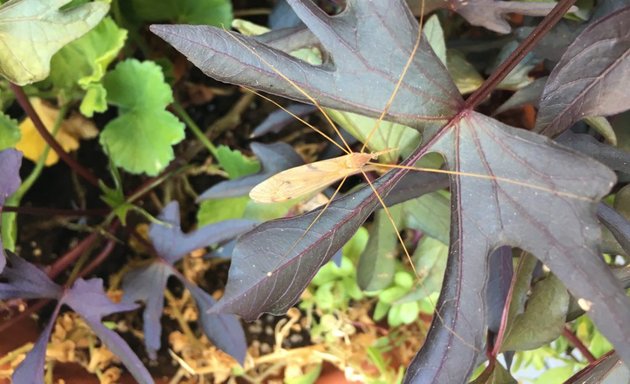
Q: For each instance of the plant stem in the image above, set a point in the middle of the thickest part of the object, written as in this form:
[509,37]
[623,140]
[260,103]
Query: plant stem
[519,53]
[577,343]
[22,99]
[9,229]
[181,112]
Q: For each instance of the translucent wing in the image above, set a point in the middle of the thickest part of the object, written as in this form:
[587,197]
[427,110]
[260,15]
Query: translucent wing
[308,178]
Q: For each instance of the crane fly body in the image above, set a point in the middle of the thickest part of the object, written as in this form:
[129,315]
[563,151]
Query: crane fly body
[309,178]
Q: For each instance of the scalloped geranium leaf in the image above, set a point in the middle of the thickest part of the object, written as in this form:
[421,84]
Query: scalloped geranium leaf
[31,31]
[592,77]
[147,284]
[81,65]
[9,132]
[212,12]
[85,297]
[10,162]
[234,163]
[367,55]
[273,158]
[140,139]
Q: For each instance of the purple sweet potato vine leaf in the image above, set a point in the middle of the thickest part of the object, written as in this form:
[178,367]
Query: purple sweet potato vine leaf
[147,284]
[10,161]
[529,192]
[86,297]
[591,78]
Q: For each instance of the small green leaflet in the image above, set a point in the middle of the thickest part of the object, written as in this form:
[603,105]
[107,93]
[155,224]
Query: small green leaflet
[9,132]
[212,12]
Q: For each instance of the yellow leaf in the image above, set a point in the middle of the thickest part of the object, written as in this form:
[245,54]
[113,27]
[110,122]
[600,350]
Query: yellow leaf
[68,135]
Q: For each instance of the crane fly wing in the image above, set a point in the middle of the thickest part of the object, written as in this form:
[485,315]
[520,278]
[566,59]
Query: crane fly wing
[302,180]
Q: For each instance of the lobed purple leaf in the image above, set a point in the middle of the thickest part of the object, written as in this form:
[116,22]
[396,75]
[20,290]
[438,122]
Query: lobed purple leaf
[31,369]
[279,119]
[225,331]
[147,285]
[365,56]
[591,78]
[21,279]
[10,161]
[172,244]
[89,300]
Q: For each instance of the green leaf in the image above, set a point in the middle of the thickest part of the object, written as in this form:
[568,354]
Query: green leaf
[216,210]
[9,132]
[435,37]
[377,264]
[139,140]
[309,377]
[431,214]
[430,261]
[212,12]
[32,31]
[401,140]
[82,65]
[555,375]
[405,313]
[464,74]
[543,319]
[235,163]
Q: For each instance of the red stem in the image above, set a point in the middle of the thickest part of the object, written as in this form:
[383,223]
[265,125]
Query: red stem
[24,102]
[71,256]
[523,49]
[577,343]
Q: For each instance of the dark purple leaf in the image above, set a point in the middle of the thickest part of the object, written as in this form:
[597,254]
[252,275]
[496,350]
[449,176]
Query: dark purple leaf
[607,370]
[224,251]
[490,14]
[10,161]
[591,78]
[31,369]
[273,158]
[553,45]
[147,285]
[616,224]
[279,119]
[88,299]
[225,331]
[172,244]
[551,215]
[534,195]
[415,184]
[289,39]
[368,55]
[21,279]
[282,16]
[615,158]
[274,263]
[500,278]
